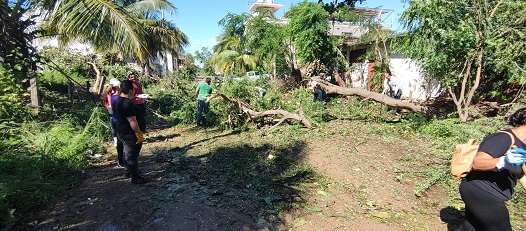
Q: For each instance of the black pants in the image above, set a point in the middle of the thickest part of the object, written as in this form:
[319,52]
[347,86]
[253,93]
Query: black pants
[141,113]
[131,154]
[483,210]
[120,153]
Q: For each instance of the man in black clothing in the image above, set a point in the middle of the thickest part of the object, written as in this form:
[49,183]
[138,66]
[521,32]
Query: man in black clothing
[128,131]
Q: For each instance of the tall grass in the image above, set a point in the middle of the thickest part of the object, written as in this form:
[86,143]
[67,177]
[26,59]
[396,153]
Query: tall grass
[41,160]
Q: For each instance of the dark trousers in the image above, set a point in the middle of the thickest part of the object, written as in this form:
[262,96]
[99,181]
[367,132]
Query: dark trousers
[397,95]
[113,128]
[318,95]
[131,152]
[141,113]
[113,124]
[202,108]
[483,210]
[120,152]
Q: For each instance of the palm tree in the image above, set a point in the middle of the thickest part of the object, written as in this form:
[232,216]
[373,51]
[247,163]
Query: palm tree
[231,55]
[133,28]
[165,37]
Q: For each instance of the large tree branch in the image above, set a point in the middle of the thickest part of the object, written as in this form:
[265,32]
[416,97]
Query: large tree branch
[254,115]
[378,97]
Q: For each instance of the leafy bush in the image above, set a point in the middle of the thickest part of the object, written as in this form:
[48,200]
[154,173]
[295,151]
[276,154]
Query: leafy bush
[41,160]
[12,98]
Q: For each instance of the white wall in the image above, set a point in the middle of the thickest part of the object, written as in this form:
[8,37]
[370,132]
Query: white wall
[407,75]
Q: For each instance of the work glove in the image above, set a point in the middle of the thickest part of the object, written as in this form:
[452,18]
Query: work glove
[516,156]
[140,137]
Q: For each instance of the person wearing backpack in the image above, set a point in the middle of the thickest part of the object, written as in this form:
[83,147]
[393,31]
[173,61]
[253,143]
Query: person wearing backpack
[496,170]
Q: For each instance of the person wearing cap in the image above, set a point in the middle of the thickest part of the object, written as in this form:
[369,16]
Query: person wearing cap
[109,91]
[202,92]
[138,101]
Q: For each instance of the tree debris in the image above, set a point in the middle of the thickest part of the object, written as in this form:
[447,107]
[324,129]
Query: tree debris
[254,115]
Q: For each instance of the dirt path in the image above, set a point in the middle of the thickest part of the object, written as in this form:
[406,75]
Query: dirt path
[365,188]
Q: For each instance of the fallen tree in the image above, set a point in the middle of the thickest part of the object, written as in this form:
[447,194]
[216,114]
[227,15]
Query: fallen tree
[329,88]
[254,115]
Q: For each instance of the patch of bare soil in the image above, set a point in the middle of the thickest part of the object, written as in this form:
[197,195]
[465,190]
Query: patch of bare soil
[368,185]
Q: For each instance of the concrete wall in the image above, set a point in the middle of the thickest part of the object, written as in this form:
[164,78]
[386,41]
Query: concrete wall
[406,74]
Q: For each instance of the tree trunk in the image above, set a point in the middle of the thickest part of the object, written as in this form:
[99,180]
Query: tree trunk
[33,89]
[339,79]
[147,69]
[378,97]
[254,115]
[99,79]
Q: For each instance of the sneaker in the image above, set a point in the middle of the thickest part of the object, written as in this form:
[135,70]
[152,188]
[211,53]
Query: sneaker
[119,166]
[127,174]
[140,180]
[114,141]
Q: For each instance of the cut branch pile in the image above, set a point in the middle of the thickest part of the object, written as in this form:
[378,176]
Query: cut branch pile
[254,115]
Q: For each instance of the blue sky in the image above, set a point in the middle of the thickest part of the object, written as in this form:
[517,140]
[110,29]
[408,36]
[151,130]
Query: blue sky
[198,19]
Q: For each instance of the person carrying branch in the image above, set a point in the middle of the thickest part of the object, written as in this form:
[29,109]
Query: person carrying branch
[203,92]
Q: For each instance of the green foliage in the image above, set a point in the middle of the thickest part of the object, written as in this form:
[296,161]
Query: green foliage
[172,98]
[466,44]
[17,34]
[308,27]
[132,28]
[266,39]
[203,56]
[40,160]
[69,63]
[12,98]
[339,7]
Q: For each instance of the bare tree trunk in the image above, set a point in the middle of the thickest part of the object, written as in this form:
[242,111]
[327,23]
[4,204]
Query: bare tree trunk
[378,97]
[254,115]
[99,79]
[147,69]
[33,89]
[339,79]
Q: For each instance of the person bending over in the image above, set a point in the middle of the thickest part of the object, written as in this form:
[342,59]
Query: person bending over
[492,180]
[203,92]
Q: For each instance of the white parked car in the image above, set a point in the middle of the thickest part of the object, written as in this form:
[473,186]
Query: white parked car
[253,75]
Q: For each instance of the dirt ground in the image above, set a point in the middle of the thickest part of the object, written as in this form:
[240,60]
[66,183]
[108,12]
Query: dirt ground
[369,187]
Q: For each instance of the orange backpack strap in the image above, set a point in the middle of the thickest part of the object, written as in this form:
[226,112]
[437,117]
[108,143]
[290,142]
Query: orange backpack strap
[512,145]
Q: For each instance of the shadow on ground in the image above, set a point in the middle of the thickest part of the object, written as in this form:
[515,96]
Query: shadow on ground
[235,186]
[258,181]
[453,217]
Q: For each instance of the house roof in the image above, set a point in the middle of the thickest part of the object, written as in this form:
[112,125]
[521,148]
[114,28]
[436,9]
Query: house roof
[267,4]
